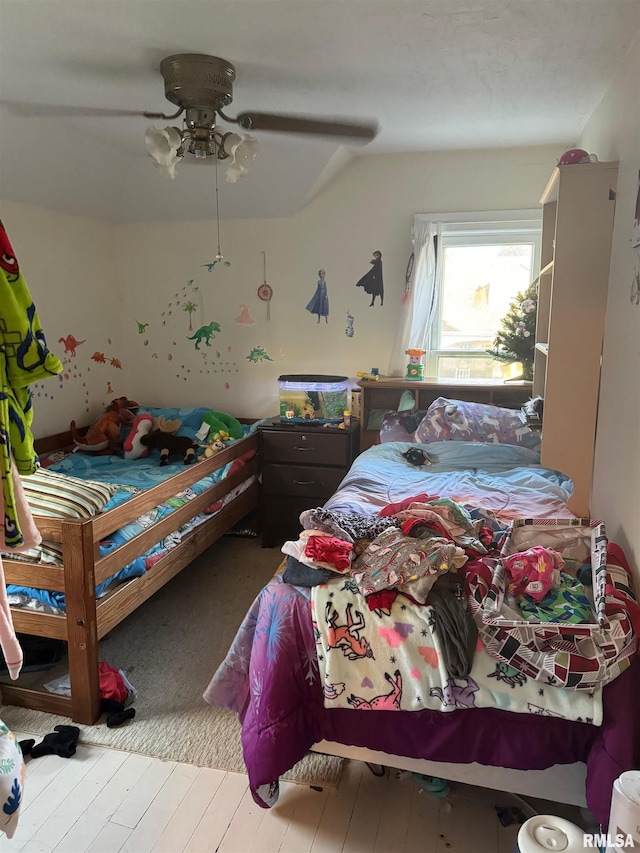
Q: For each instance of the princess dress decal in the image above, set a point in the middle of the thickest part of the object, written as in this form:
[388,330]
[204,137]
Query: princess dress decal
[319,303]
[244,317]
[372,281]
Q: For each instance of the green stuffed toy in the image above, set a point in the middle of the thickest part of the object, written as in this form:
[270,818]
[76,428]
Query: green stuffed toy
[218,425]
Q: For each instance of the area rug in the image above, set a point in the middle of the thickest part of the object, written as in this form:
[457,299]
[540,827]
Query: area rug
[169,649]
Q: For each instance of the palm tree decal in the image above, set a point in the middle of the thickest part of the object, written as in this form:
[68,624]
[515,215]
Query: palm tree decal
[190,307]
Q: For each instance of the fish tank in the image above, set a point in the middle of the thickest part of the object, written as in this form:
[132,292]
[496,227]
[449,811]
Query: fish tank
[313,399]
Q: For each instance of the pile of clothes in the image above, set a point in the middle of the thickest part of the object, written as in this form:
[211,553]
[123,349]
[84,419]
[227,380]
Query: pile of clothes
[437,552]
[414,548]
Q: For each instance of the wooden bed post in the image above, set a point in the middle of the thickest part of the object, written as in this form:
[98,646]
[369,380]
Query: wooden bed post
[80,591]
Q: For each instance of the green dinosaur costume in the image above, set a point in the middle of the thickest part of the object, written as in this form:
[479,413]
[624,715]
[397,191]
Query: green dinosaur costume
[24,359]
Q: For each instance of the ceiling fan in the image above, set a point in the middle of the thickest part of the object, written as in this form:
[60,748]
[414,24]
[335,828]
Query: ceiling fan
[201,86]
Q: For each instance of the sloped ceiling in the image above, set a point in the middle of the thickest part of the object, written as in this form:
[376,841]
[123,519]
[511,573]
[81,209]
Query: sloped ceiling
[436,74]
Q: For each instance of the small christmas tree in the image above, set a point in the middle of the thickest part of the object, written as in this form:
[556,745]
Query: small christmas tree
[516,339]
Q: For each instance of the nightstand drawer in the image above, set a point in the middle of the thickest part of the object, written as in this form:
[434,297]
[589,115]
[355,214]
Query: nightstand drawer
[307,448]
[308,480]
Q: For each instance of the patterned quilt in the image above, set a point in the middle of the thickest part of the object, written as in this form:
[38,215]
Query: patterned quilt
[393,660]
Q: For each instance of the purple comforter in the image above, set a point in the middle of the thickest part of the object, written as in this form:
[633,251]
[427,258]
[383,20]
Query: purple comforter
[270,678]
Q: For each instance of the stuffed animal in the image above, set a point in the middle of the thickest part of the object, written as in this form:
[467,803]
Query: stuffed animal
[219,425]
[143,424]
[170,444]
[215,447]
[104,435]
[165,425]
[133,447]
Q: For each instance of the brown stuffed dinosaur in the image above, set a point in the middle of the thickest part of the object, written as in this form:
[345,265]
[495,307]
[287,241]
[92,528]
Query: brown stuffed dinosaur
[104,434]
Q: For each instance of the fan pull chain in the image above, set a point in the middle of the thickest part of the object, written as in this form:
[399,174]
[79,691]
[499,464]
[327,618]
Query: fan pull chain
[219,256]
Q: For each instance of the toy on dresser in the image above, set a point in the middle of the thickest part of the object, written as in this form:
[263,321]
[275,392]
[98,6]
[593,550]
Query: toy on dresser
[415,368]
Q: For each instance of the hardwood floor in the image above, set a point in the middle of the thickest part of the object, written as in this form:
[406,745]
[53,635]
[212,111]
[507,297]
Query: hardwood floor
[104,801]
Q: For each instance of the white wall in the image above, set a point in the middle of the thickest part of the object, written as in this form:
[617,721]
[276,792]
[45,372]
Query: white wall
[613,133]
[369,206]
[69,265]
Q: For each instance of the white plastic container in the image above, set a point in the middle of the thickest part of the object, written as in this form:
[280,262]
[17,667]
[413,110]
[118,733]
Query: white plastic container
[624,818]
[546,832]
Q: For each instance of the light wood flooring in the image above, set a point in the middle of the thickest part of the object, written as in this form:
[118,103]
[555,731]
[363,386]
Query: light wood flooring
[105,801]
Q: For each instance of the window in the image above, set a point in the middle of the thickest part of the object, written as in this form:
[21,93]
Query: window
[484,260]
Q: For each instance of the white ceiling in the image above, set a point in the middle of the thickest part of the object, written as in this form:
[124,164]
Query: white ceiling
[436,74]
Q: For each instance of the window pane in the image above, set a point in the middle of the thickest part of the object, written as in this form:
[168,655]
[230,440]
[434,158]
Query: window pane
[478,284]
[459,367]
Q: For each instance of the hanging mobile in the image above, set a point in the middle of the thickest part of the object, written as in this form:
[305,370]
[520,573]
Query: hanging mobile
[219,255]
[265,291]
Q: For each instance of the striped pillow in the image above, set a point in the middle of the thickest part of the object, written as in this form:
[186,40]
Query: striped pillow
[60,496]
[46,553]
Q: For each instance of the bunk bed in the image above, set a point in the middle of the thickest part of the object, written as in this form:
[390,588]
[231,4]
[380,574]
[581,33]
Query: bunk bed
[273,677]
[227,492]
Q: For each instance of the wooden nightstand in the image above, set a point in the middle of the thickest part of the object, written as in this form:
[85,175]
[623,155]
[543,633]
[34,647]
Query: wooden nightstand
[302,466]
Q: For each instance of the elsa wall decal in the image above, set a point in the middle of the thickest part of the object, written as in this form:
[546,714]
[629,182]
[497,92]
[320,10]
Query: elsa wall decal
[319,302]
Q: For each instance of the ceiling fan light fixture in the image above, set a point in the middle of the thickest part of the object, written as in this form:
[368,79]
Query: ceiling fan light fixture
[165,148]
[241,150]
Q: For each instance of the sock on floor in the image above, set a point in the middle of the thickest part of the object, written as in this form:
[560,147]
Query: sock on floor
[107,706]
[26,746]
[117,718]
[62,741]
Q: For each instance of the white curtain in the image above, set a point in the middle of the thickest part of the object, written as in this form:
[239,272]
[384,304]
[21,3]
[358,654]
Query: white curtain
[419,310]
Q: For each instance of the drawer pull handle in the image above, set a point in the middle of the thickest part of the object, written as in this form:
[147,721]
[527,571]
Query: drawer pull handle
[304,482]
[303,449]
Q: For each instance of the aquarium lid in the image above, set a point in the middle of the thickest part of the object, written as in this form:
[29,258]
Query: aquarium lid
[311,377]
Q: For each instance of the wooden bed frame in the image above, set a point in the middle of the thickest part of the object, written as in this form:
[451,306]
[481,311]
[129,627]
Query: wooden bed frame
[87,620]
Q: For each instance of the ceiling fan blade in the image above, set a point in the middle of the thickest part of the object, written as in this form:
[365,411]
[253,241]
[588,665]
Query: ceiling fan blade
[363,131]
[24,110]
